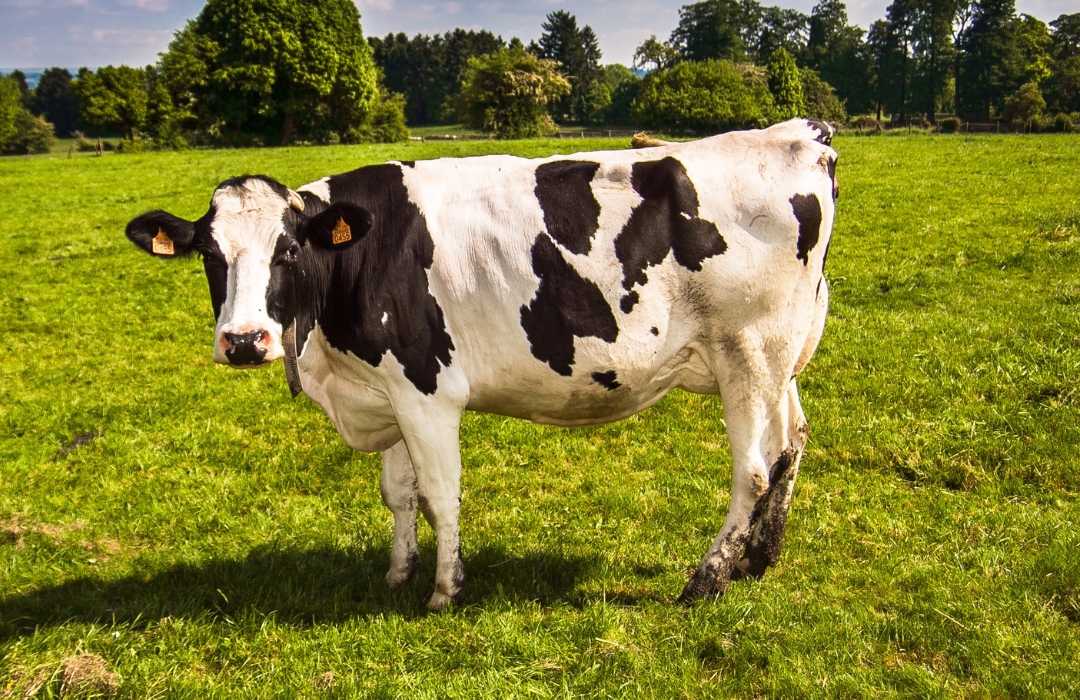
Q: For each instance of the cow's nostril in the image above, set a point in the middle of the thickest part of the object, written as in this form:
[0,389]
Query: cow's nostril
[243,349]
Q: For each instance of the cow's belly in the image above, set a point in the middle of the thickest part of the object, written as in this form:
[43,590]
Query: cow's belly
[581,400]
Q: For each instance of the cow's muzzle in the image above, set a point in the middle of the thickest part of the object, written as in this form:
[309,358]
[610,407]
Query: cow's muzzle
[245,349]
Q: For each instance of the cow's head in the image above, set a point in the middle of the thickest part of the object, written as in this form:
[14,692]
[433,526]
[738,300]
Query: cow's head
[252,242]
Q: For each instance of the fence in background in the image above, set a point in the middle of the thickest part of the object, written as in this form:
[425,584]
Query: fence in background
[607,133]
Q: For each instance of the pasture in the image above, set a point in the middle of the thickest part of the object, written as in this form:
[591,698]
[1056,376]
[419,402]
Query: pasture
[208,537]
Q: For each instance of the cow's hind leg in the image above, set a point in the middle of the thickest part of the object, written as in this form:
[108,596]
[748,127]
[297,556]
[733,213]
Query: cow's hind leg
[399,493]
[754,390]
[769,520]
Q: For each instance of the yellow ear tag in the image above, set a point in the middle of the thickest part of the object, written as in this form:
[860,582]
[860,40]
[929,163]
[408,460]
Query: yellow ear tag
[342,233]
[162,244]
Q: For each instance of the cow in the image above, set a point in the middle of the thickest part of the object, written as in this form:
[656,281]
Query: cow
[571,290]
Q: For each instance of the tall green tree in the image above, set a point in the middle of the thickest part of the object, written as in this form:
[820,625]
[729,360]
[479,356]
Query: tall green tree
[653,54]
[624,87]
[275,70]
[990,68]
[427,70]
[785,85]
[115,99]
[838,52]
[507,93]
[779,28]
[705,97]
[25,93]
[55,101]
[1063,85]
[820,97]
[897,60]
[10,107]
[932,48]
[577,52]
[719,29]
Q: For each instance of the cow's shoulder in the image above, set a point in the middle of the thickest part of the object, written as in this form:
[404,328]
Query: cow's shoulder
[374,297]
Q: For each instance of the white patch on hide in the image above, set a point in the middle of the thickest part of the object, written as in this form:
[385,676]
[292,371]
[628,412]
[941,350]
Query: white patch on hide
[319,188]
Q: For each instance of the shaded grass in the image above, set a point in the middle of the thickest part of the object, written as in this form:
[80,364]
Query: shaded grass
[215,539]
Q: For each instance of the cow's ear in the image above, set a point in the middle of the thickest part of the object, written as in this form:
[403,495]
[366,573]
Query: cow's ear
[161,234]
[338,226]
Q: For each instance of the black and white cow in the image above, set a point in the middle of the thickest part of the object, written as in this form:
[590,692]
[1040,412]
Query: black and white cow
[569,290]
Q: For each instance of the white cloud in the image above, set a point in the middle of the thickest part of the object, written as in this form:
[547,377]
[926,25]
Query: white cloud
[148,5]
[382,5]
[132,37]
[32,6]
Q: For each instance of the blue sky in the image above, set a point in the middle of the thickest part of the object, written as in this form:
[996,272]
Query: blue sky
[39,33]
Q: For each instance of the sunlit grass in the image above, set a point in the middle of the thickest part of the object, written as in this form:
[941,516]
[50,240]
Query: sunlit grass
[216,539]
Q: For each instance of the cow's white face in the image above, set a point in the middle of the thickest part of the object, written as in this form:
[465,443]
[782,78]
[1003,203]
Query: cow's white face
[249,229]
[251,242]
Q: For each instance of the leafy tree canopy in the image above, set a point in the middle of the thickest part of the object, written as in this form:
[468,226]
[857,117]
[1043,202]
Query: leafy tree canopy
[705,97]
[427,70]
[785,85]
[115,99]
[274,70]
[508,92]
[577,52]
[55,101]
[10,106]
[821,101]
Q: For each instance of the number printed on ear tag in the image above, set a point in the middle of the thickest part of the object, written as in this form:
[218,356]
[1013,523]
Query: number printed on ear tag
[341,233]
[162,244]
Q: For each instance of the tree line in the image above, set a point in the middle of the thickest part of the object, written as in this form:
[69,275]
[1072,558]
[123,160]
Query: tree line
[247,72]
[725,61]
[244,72]
[977,59]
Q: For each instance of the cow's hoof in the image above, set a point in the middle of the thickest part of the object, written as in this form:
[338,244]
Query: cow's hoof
[440,600]
[707,583]
[400,575]
[748,568]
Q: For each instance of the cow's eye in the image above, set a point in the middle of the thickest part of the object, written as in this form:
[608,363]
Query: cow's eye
[292,252]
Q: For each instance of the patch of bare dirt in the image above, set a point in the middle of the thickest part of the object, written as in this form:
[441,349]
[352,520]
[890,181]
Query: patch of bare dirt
[324,681]
[13,530]
[87,673]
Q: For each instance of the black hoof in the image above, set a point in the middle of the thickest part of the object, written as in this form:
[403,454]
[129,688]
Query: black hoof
[709,583]
[749,568]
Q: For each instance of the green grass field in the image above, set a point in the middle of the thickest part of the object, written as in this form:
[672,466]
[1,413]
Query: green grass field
[215,539]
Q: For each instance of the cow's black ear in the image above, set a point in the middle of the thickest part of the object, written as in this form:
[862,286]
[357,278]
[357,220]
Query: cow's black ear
[161,234]
[337,227]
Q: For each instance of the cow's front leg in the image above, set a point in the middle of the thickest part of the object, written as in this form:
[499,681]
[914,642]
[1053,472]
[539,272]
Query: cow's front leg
[433,445]
[398,486]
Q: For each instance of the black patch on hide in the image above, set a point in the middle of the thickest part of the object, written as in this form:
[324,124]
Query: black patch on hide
[807,210]
[824,136]
[666,220]
[349,292]
[566,305]
[571,212]
[608,379]
[831,167]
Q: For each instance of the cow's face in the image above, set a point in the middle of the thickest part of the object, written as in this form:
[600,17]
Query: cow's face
[251,240]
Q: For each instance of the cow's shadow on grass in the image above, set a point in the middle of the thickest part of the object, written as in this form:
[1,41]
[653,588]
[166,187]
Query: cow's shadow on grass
[300,587]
